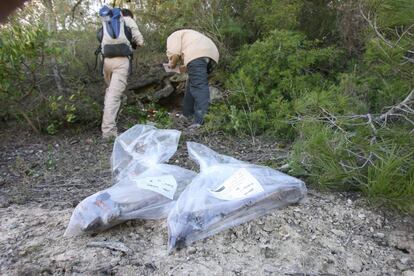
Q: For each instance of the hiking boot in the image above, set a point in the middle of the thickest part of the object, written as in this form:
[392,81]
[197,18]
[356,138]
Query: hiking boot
[109,137]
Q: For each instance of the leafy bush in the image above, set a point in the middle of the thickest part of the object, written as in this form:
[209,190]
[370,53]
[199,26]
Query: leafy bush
[38,85]
[63,110]
[22,53]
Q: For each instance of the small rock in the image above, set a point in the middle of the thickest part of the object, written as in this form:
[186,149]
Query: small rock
[338,233]
[330,260]
[13,226]
[349,202]
[215,94]
[401,267]
[284,167]
[402,241]
[408,273]
[404,260]
[150,266]
[4,203]
[379,235]
[268,269]
[270,253]
[354,263]
[191,250]
[285,237]
[361,216]
[114,261]
[379,223]
[74,141]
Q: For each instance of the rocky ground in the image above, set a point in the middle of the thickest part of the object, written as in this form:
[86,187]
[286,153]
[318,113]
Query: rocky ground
[42,178]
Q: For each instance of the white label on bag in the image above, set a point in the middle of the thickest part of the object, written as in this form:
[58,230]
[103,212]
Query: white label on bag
[165,185]
[239,185]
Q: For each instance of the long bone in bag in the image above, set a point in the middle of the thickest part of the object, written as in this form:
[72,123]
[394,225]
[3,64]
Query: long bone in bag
[144,188]
[226,193]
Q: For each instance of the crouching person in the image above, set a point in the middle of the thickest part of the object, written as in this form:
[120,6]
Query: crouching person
[120,36]
[199,55]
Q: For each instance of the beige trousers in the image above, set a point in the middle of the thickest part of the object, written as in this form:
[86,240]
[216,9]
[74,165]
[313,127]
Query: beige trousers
[115,74]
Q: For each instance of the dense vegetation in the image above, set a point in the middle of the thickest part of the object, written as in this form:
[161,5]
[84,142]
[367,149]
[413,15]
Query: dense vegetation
[333,79]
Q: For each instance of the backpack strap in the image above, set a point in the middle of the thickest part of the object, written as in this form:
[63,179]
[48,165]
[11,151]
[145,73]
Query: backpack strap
[128,34]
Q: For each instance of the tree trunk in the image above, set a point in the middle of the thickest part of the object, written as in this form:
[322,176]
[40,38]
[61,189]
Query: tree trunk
[52,27]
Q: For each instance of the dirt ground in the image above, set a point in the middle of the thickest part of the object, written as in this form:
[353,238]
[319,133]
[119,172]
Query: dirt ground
[42,178]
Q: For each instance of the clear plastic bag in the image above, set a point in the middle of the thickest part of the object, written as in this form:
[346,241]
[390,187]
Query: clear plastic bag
[227,192]
[144,189]
[145,145]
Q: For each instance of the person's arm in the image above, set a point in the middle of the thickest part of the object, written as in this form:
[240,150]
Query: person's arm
[136,34]
[183,69]
[174,49]
[174,61]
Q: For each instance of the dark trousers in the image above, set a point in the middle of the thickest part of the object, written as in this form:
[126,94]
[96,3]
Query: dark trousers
[197,94]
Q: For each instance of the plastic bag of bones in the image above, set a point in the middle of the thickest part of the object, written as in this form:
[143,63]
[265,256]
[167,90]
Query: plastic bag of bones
[144,188]
[227,192]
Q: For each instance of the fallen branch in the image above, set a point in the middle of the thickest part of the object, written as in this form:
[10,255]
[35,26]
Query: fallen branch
[405,103]
[26,117]
[371,124]
[113,245]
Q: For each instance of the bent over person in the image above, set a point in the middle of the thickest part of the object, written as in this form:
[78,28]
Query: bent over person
[120,36]
[199,54]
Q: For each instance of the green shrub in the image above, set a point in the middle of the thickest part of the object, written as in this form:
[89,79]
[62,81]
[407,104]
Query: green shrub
[321,155]
[151,113]
[31,61]
[22,54]
[60,111]
[390,180]
[273,80]
[351,156]
[386,78]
